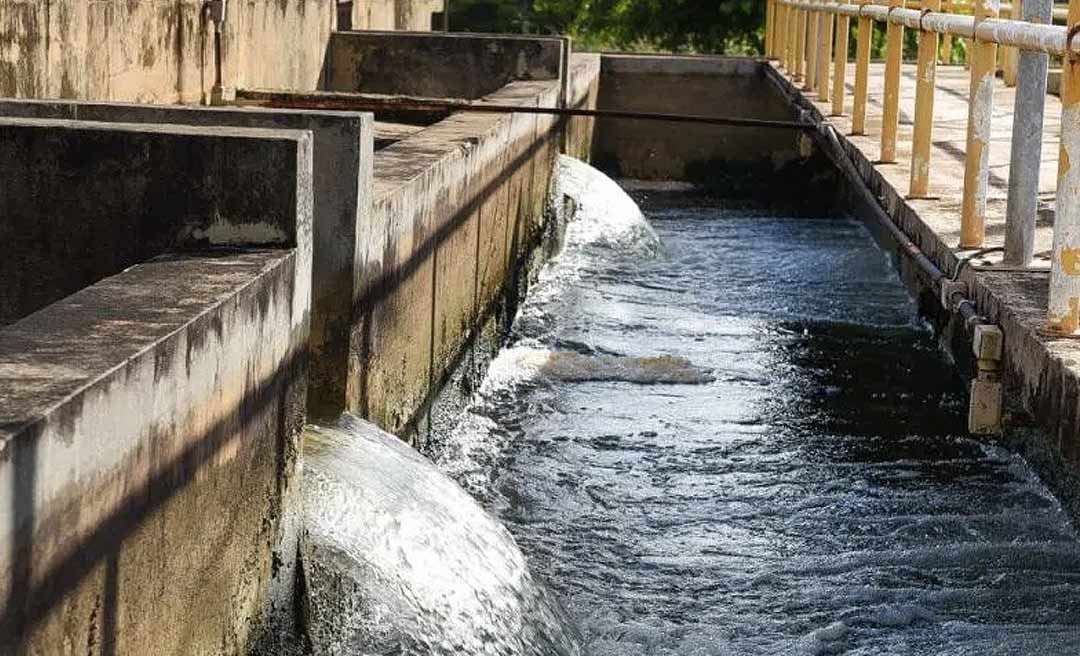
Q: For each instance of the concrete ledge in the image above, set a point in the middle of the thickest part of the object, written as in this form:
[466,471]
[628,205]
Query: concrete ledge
[583,92]
[342,156]
[437,64]
[149,421]
[148,442]
[137,191]
[735,161]
[457,207]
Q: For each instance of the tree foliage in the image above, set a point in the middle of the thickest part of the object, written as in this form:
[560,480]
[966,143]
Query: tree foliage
[702,26]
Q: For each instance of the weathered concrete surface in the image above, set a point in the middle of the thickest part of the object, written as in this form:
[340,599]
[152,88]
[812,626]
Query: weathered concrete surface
[157,50]
[149,423]
[735,161]
[438,65]
[456,204]
[343,146]
[410,15]
[129,193]
[583,92]
[1042,374]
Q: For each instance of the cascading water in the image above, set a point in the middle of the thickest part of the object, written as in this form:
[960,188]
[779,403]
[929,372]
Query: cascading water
[400,560]
[746,442]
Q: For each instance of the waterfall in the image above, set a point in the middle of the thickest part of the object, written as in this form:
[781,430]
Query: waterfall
[398,559]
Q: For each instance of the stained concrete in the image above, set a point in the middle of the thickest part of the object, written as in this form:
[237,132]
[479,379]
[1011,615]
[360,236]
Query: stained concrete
[439,65]
[128,193]
[583,92]
[737,162]
[412,15]
[342,203]
[456,204]
[1042,374]
[158,50]
[149,422]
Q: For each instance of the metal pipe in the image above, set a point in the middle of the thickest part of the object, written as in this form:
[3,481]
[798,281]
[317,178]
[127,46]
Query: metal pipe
[800,45]
[1009,69]
[925,75]
[358,102]
[890,115]
[843,28]
[862,73]
[946,39]
[980,110]
[1021,34]
[812,24]
[1063,313]
[1027,136]
[825,31]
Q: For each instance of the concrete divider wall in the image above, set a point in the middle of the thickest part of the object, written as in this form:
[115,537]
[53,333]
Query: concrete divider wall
[414,15]
[437,64]
[583,92]
[342,143]
[456,207]
[738,160]
[84,201]
[149,423]
[158,50]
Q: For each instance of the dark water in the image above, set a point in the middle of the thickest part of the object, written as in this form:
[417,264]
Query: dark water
[791,477]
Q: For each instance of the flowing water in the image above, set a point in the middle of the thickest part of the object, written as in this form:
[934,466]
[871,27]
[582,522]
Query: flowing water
[729,433]
[400,560]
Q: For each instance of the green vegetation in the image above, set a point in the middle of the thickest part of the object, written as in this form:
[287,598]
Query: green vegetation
[732,27]
[688,26]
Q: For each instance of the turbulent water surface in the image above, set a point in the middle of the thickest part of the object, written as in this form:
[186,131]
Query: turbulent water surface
[733,436]
[400,561]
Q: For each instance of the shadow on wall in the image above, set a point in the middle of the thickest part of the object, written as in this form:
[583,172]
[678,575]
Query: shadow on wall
[32,596]
[388,283]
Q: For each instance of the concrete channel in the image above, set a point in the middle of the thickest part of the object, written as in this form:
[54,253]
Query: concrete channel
[185,286]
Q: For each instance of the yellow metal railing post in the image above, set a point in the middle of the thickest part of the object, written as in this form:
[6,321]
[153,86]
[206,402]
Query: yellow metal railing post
[946,39]
[980,108]
[812,24]
[793,38]
[843,27]
[862,72]
[1012,54]
[785,32]
[780,34]
[890,118]
[1063,313]
[825,39]
[924,108]
[800,45]
[770,20]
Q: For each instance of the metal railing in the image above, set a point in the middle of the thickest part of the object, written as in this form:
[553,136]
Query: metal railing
[799,33]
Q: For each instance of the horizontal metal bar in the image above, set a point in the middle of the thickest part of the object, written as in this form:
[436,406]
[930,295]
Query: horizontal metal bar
[1051,39]
[356,102]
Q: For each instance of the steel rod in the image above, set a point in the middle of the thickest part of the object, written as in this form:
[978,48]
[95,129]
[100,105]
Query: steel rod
[349,102]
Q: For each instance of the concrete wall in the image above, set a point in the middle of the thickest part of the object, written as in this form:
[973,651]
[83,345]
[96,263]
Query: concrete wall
[411,15]
[127,196]
[342,204]
[737,159]
[583,92]
[157,50]
[457,206]
[438,65]
[149,423]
